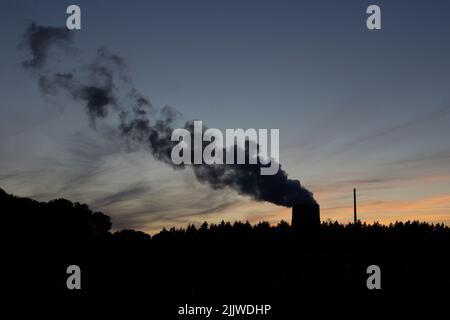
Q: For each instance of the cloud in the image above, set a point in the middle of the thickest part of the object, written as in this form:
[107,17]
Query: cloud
[400,127]
[130,192]
[431,208]
[442,156]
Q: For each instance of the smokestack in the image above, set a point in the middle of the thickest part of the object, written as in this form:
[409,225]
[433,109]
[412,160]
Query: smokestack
[306,217]
[355,217]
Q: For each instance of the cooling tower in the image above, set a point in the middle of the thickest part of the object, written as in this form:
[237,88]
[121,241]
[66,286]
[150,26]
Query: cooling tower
[306,217]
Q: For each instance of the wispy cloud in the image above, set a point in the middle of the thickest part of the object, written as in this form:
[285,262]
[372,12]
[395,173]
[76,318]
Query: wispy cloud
[391,130]
[431,208]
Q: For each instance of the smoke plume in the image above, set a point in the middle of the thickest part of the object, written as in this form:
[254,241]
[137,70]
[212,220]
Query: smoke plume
[105,89]
[40,39]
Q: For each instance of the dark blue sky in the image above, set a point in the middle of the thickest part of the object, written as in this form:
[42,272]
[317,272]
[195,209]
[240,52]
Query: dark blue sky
[354,107]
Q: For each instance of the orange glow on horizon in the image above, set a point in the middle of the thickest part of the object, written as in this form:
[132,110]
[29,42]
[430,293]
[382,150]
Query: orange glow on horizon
[428,209]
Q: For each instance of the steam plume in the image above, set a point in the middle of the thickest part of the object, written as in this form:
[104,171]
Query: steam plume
[39,40]
[105,88]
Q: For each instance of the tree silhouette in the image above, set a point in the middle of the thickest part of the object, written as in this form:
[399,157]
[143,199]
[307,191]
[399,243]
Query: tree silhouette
[219,256]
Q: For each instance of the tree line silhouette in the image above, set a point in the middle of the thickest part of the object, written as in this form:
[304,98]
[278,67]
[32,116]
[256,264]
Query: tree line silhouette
[210,260]
[62,226]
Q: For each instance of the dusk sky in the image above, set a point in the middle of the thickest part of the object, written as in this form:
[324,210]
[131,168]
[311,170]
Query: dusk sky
[355,107]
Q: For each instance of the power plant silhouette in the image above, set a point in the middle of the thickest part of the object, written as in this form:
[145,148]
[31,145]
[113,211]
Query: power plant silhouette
[306,216]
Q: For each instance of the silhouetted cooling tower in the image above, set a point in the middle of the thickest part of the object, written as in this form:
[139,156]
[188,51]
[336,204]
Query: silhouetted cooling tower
[306,217]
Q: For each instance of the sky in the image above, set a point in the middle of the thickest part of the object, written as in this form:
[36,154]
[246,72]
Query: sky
[356,108]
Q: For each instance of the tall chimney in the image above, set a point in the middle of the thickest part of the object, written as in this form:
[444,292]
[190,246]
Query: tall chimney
[355,217]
